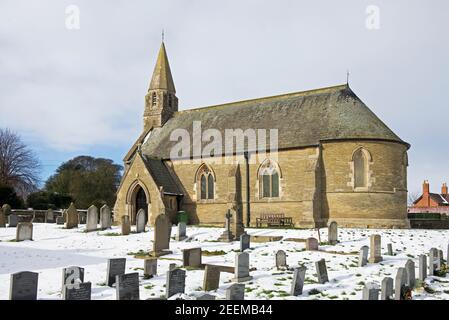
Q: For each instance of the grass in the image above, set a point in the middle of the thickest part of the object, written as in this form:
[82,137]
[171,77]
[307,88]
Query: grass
[112,234]
[140,253]
[149,286]
[213,253]
[314,291]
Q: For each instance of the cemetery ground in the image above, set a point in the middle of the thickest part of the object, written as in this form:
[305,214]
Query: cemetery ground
[54,248]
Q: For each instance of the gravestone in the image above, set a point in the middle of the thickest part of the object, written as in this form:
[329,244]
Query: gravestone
[105,217]
[192,257]
[375,249]
[161,235]
[236,292]
[176,282]
[447,255]
[71,220]
[441,257]
[363,256]
[6,208]
[205,296]
[72,275]
[387,289]
[149,268]
[24,231]
[241,271]
[390,249]
[211,277]
[370,291]
[181,235]
[312,244]
[422,267]
[227,235]
[400,285]
[79,291]
[172,266]
[116,267]
[410,272]
[82,217]
[2,219]
[127,286]
[60,220]
[244,242]
[140,221]
[333,233]
[126,226]
[50,216]
[281,259]
[298,281]
[13,220]
[321,271]
[92,218]
[434,262]
[23,286]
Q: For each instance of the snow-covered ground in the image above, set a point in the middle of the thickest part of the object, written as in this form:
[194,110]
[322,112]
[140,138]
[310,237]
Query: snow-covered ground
[54,248]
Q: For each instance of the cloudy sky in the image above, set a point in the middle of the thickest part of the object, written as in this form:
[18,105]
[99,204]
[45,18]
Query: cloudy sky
[80,91]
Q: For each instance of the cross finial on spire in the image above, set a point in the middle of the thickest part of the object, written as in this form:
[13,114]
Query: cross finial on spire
[163,34]
[347,77]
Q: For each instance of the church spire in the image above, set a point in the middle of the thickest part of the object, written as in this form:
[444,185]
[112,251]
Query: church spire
[162,78]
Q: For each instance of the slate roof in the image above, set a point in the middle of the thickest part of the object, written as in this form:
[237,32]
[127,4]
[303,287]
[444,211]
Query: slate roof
[440,199]
[302,119]
[161,175]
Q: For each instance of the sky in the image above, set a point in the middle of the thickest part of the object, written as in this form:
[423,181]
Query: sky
[71,91]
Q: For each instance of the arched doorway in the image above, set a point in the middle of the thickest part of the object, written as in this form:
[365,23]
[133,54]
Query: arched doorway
[136,199]
[141,202]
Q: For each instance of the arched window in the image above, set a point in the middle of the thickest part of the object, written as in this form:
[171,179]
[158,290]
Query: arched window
[169,101]
[153,99]
[269,180]
[361,159]
[206,181]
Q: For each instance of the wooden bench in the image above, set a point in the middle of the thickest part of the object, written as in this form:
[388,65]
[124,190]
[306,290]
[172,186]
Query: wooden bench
[274,220]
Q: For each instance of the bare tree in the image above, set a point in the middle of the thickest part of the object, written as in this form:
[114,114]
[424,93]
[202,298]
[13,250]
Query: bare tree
[412,197]
[19,167]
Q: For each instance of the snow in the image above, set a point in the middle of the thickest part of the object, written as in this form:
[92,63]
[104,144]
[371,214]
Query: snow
[54,248]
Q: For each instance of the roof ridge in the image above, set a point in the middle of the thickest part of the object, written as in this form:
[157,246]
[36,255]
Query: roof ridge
[290,94]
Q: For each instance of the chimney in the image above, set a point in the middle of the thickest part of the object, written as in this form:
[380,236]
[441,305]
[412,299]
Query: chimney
[444,189]
[425,187]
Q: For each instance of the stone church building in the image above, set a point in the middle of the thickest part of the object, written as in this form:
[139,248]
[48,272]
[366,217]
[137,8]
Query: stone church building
[335,161]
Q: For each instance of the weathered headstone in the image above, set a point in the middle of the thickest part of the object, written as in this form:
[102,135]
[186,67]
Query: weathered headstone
[333,233]
[72,275]
[321,271]
[400,285]
[71,220]
[60,220]
[236,292]
[241,271]
[181,235]
[227,235]
[298,281]
[140,221]
[92,218]
[389,249]
[24,231]
[370,291]
[23,286]
[150,268]
[176,282]
[410,272]
[387,289]
[125,225]
[434,262]
[116,267]
[82,217]
[161,235]
[13,220]
[6,209]
[50,216]
[211,277]
[79,291]
[172,266]
[127,286]
[105,217]
[363,256]
[244,242]
[192,257]
[311,244]
[375,249]
[205,296]
[281,259]
[422,267]
[2,219]
[441,257]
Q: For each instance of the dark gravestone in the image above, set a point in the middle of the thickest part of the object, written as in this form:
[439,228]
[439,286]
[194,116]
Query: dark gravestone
[176,282]
[298,281]
[23,286]
[115,267]
[390,249]
[321,271]
[211,277]
[244,242]
[236,292]
[60,220]
[78,291]
[127,286]
[434,263]
[72,275]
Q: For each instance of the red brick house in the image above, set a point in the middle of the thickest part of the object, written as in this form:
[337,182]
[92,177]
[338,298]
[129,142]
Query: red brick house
[431,202]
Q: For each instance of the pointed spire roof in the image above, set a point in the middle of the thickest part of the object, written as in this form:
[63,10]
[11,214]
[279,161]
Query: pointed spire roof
[162,78]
